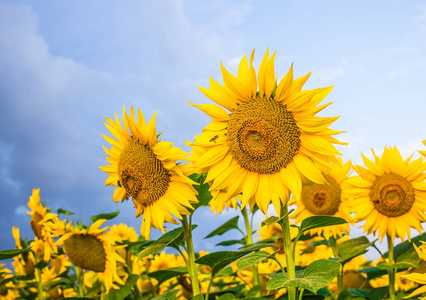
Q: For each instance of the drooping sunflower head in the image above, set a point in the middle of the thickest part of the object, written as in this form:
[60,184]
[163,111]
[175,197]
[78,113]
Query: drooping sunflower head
[37,213]
[331,199]
[145,169]
[390,194]
[264,136]
[93,249]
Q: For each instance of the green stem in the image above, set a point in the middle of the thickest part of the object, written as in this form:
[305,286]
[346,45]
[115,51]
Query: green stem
[80,281]
[337,254]
[39,283]
[291,272]
[249,242]
[391,270]
[192,269]
[301,294]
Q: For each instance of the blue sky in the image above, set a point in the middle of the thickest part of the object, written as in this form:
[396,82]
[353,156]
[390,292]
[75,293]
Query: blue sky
[65,65]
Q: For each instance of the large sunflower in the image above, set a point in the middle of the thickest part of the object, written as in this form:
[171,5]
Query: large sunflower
[263,136]
[327,199]
[94,250]
[390,194]
[145,169]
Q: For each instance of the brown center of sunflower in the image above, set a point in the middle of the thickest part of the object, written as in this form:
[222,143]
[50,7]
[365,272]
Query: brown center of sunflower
[263,135]
[142,174]
[392,195]
[35,218]
[322,199]
[86,251]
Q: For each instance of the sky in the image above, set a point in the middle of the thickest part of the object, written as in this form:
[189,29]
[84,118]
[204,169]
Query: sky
[65,65]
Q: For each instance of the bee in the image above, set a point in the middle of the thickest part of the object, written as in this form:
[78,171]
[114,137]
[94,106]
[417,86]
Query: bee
[213,139]
[119,183]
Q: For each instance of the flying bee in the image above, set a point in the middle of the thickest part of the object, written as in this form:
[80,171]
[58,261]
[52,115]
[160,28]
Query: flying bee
[213,139]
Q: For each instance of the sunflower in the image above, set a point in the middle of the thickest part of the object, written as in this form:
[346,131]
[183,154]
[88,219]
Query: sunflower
[390,194]
[423,152]
[40,217]
[94,250]
[263,136]
[418,277]
[145,169]
[221,202]
[329,199]
[307,253]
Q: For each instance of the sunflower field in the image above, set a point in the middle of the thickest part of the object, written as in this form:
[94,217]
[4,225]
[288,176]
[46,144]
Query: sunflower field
[264,144]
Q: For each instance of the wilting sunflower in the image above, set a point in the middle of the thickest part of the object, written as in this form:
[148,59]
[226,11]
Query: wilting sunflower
[330,199]
[390,194]
[263,136]
[145,169]
[94,250]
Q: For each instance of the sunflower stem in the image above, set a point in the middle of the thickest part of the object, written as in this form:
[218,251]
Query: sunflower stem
[391,270]
[192,269]
[337,254]
[250,242]
[39,283]
[291,272]
[80,281]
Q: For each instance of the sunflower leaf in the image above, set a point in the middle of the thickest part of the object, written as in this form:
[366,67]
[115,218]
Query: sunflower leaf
[6,254]
[253,259]
[231,242]
[318,222]
[63,211]
[225,227]
[372,294]
[124,290]
[407,246]
[353,247]
[168,295]
[274,219]
[373,272]
[172,238]
[164,275]
[202,188]
[221,259]
[107,216]
[404,261]
[317,275]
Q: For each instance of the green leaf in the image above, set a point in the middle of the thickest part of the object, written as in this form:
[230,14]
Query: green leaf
[255,290]
[231,242]
[353,247]
[164,275]
[227,296]
[272,220]
[373,272]
[124,290]
[372,294]
[6,254]
[317,275]
[221,259]
[225,272]
[169,295]
[230,224]
[319,221]
[252,259]
[61,281]
[162,242]
[407,246]
[404,261]
[202,188]
[198,297]
[63,211]
[107,216]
